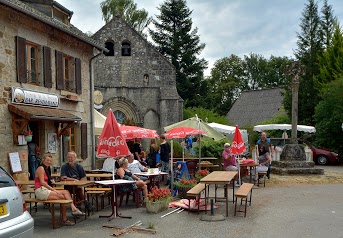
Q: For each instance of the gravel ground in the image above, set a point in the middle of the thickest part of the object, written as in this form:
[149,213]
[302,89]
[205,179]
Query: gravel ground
[277,211]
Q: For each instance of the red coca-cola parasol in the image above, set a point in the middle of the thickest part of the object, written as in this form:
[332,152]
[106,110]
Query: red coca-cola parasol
[132,132]
[112,143]
[238,146]
[182,132]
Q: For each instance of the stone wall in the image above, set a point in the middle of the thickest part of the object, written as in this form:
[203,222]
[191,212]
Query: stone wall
[143,85]
[14,24]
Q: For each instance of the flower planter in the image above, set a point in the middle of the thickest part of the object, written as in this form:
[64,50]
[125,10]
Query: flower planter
[28,138]
[182,191]
[156,207]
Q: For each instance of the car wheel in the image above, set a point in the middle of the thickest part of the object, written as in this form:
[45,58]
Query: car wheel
[322,160]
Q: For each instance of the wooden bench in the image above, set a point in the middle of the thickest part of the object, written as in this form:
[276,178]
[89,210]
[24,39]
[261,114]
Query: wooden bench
[195,193]
[243,193]
[98,192]
[52,206]
[262,175]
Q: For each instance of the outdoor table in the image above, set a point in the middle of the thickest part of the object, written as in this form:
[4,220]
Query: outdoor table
[114,202]
[74,184]
[217,178]
[94,171]
[252,165]
[151,175]
[99,176]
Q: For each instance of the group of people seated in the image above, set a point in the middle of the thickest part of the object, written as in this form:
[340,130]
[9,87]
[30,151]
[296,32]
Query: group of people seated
[263,155]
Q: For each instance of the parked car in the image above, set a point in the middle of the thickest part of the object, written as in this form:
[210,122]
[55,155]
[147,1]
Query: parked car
[15,221]
[323,157]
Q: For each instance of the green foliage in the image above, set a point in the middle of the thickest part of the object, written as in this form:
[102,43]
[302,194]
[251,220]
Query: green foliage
[203,114]
[327,22]
[329,117]
[136,18]
[177,149]
[176,39]
[211,148]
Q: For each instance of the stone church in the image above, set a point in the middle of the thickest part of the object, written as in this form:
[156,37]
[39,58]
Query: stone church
[134,79]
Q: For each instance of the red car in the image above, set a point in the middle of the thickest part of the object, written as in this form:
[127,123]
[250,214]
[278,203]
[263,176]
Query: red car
[323,157]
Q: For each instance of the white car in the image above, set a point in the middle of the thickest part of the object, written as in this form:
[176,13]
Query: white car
[15,221]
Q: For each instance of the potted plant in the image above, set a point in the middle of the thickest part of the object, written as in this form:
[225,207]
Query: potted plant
[201,174]
[184,185]
[66,134]
[28,135]
[158,200]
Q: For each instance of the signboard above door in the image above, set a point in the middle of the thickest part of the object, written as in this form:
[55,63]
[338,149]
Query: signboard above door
[25,96]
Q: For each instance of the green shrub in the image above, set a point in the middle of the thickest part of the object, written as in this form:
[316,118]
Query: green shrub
[211,148]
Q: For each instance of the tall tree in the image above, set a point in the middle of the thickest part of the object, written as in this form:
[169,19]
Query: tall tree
[310,46]
[331,62]
[175,39]
[136,18]
[327,21]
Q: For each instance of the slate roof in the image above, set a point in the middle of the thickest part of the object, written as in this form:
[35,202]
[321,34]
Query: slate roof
[255,106]
[69,29]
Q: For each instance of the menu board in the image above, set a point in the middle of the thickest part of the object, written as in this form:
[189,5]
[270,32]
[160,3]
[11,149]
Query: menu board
[15,162]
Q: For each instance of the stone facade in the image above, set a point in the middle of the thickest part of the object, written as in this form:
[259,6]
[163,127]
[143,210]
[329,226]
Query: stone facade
[14,23]
[139,85]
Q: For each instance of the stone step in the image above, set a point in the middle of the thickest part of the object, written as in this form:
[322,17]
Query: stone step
[287,171]
[293,164]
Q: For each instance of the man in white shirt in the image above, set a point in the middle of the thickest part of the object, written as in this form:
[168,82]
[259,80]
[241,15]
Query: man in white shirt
[136,167]
[108,165]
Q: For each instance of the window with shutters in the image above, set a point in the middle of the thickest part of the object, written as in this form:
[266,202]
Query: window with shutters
[68,65]
[32,63]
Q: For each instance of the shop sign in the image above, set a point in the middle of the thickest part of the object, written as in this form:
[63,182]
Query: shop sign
[25,96]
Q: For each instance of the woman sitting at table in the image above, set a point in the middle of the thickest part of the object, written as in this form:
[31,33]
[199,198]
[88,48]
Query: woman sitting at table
[45,191]
[126,174]
[263,160]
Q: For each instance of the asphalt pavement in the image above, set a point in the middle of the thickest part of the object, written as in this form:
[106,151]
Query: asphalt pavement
[314,211]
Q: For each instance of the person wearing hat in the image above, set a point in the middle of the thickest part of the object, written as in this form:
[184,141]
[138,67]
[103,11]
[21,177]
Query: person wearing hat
[229,160]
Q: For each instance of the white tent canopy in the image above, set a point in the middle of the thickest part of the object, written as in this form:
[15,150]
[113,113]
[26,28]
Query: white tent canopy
[99,122]
[260,128]
[222,128]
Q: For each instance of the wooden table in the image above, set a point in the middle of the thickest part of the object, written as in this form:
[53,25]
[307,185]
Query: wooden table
[217,178]
[253,165]
[151,177]
[74,184]
[99,176]
[114,202]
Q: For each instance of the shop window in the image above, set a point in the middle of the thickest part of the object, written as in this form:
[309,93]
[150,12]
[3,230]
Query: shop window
[32,63]
[68,67]
[126,48]
[110,46]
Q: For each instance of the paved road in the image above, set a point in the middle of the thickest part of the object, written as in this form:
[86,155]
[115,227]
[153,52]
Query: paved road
[331,168]
[314,211]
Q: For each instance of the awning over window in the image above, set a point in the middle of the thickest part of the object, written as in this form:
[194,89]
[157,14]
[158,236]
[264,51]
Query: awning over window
[42,113]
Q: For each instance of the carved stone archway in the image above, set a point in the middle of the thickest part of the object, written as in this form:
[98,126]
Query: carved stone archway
[124,105]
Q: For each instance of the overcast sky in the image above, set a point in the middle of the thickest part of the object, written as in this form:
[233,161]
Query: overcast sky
[240,27]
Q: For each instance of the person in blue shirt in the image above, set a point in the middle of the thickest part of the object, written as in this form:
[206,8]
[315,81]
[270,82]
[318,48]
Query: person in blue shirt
[266,143]
[189,144]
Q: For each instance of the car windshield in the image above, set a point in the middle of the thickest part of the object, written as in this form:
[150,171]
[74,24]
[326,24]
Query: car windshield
[5,179]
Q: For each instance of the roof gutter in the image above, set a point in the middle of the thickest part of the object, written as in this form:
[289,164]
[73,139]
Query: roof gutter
[91,87]
[18,8]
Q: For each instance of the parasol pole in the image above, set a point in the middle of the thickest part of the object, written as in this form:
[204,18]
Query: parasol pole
[113,169]
[171,168]
[197,119]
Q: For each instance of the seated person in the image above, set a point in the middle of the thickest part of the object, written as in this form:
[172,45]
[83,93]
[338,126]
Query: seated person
[230,163]
[136,167]
[45,191]
[124,173]
[263,161]
[108,165]
[73,171]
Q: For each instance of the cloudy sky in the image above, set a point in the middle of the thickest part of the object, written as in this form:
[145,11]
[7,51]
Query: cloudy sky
[240,27]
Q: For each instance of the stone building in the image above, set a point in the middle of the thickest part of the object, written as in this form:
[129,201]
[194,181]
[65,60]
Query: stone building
[134,79]
[45,81]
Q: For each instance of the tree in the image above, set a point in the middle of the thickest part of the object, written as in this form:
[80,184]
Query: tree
[204,114]
[331,62]
[136,18]
[175,39]
[255,71]
[327,21]
[329,117]
[310,46]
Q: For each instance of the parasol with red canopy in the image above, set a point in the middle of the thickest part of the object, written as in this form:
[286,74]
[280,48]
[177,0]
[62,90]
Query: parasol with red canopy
[238,147]
[132,132]
[111,141]
[182,132]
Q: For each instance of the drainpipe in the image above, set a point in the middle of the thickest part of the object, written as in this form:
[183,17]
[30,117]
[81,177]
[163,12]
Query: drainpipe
[91,87]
